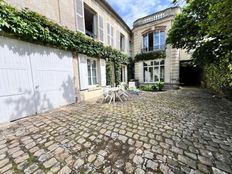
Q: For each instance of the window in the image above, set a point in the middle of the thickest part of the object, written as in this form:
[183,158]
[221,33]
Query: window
[122,42]
[92,72]
[153,71]
[159,40]
[90,22]
[110,35]
[154,41]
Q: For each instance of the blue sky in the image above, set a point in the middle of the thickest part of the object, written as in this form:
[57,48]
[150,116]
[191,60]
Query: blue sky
[130,10]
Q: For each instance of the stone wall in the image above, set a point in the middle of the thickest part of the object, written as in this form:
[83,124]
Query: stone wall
[59,11]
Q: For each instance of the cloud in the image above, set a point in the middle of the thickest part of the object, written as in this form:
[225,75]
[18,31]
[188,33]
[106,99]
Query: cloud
[131,10]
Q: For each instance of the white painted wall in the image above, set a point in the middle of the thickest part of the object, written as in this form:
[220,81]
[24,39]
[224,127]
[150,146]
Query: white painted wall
[33,79]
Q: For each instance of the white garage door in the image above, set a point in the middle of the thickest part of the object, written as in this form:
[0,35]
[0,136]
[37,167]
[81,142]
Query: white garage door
[33,79]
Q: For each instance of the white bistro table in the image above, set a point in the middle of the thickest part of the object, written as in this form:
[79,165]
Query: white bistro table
[115,92]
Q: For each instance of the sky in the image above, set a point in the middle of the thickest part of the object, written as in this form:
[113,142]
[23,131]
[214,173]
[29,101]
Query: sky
[130,10]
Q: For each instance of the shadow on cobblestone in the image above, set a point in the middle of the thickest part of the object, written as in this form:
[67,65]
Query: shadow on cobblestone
[184,131]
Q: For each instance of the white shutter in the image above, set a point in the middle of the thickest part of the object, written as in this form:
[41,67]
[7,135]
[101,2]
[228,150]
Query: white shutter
[118,40]
[101,28]
[126,45]
[83,71]
[112,36]
[80,15]
[108,33]
[103,72]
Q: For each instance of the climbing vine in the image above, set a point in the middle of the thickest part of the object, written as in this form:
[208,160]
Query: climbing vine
[35,28]
[150,56]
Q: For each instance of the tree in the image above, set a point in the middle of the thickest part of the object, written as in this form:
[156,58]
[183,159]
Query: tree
[205,28]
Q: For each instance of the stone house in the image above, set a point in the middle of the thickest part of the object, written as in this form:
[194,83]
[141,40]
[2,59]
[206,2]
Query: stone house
[38,78]
[149,36]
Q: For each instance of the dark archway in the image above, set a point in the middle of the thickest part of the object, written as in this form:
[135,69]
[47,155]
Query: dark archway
[190,74]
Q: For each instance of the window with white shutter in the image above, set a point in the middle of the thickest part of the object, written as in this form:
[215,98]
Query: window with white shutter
[112,36]
[118,40]
[80,16]
[83,71]
[101,28]
[108,34]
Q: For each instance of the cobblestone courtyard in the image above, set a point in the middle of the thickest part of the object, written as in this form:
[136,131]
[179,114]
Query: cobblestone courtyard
[184,131]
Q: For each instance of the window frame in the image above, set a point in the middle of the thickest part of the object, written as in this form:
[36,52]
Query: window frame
[153,66]
[91,73]
[155,46]
[122,43]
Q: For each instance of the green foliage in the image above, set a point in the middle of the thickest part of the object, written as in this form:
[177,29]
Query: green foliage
[32,27]
[159,85]
[109,73]
[218,76]
[148,87]
[205,28]
[150,56]
[118,69]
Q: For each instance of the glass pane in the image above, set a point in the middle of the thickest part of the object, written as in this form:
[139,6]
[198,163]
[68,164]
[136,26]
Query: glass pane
[156,40]
[156,74]
[145,42]
[151,74]
[162,62]
[94,80]
[94,63]
[162,73]
[94,72]
[144,63]
[162,40]
[89,68]
[149,63]
[146,74]
[156,62]
[89,80]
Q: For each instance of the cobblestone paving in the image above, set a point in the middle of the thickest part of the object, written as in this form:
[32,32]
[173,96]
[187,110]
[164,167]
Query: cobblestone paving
[184,131]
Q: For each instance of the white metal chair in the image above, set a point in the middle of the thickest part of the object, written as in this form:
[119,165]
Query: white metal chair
[107,94]
[123,91]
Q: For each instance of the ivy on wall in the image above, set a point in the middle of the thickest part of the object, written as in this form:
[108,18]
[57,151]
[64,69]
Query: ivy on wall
[109,72]
[32,27]
[150,56]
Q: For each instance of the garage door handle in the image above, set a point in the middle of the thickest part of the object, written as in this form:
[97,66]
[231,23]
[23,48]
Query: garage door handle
[37,87]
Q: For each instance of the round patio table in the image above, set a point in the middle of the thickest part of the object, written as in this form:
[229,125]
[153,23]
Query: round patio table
[115,92]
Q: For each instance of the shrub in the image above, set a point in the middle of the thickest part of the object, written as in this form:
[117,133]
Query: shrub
[148,87]
[159,85]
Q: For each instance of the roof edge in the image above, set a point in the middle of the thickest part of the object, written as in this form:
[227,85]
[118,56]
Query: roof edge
[116,14]
[157,13]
